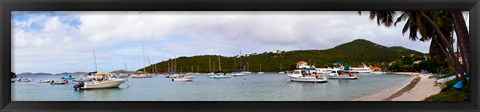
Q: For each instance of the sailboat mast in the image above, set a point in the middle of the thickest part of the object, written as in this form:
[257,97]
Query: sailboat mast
[260,67]
[175,62]
[219,66]
[143,47]
[125,65]
[209,64]
[248,67]
[241,64]
[95,58]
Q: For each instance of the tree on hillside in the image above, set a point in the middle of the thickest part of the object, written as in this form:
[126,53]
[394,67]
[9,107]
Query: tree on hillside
[436,26]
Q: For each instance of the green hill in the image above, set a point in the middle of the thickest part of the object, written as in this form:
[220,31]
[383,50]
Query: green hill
[353,53]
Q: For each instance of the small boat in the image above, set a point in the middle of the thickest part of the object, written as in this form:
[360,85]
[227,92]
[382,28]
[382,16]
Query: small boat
[45,81]
[68,78]
[218,76]
[337,73]
[210,74]
[23,80]
[61,82]
[260,72]
[239,74]
[172,76]
[108,83]
[182,79]
[142,76]
[12,81]
[281,72]
[301,76]
[187,77]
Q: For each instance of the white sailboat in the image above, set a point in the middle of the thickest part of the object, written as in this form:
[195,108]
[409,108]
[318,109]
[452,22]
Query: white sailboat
[144,74]
[260,72]
[242,72]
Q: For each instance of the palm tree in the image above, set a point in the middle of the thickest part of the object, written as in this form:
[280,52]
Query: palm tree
[461,31]
[434,25]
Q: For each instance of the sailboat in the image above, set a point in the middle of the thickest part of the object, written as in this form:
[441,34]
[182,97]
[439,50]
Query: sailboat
[242,72]
[209,68]
[260,72]
[106,82]
[219,75]
[144,74]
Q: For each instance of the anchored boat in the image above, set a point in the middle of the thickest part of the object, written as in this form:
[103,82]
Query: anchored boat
[307,76]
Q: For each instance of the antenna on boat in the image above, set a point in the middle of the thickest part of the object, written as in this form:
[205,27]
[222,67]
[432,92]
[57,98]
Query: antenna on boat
[95,58]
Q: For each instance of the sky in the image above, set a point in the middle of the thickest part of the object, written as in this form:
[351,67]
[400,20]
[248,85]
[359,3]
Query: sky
[55,42]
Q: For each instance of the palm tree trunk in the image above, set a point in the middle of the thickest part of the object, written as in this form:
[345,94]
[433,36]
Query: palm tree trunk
[444,41]
[462,36]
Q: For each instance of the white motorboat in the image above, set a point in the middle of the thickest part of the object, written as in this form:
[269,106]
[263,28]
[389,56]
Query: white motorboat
[364,69]
[209,74]
[23,80]
[260,72]
[182,79]
[142,76]
[172,76]
[218,76]
[45,81]
[60,82]
[378,72]
[302,76]
[239,74]
[337,73]
[108,83]
[187,77]
[281,72]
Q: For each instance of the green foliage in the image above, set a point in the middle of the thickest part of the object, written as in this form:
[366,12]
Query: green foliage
[354,53]
[450,94]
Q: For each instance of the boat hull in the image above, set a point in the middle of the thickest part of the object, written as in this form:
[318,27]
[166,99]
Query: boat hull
[239,74]
[218,77]
[308,79]
[112,83]
[343,77]
[142,76]
[45,81]
[182,80]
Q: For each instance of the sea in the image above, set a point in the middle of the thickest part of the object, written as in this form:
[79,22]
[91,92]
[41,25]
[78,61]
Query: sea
[253,87]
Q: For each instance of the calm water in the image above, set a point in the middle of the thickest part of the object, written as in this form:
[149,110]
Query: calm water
[254,87]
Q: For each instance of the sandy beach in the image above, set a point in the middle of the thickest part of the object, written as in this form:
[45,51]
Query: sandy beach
[417,89]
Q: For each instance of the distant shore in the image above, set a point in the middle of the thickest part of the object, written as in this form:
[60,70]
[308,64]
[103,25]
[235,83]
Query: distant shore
[418,88]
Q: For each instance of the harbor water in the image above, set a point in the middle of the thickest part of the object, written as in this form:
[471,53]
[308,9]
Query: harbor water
[253,87]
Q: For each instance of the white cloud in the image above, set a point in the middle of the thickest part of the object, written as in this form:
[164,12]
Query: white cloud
[118,36]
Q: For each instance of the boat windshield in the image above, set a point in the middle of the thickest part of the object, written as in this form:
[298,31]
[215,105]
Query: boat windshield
[296,72]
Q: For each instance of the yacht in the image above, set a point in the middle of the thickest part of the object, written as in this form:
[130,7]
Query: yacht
[307,76]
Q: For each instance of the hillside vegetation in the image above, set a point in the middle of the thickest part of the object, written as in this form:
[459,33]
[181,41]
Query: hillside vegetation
[353,53]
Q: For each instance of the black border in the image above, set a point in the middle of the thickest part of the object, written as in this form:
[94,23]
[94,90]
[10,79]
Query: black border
[233,5]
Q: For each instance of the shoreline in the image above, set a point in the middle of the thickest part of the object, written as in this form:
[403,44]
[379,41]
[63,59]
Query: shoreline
[416,89]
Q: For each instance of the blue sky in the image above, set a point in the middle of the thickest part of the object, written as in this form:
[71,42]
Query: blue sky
[57,42]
